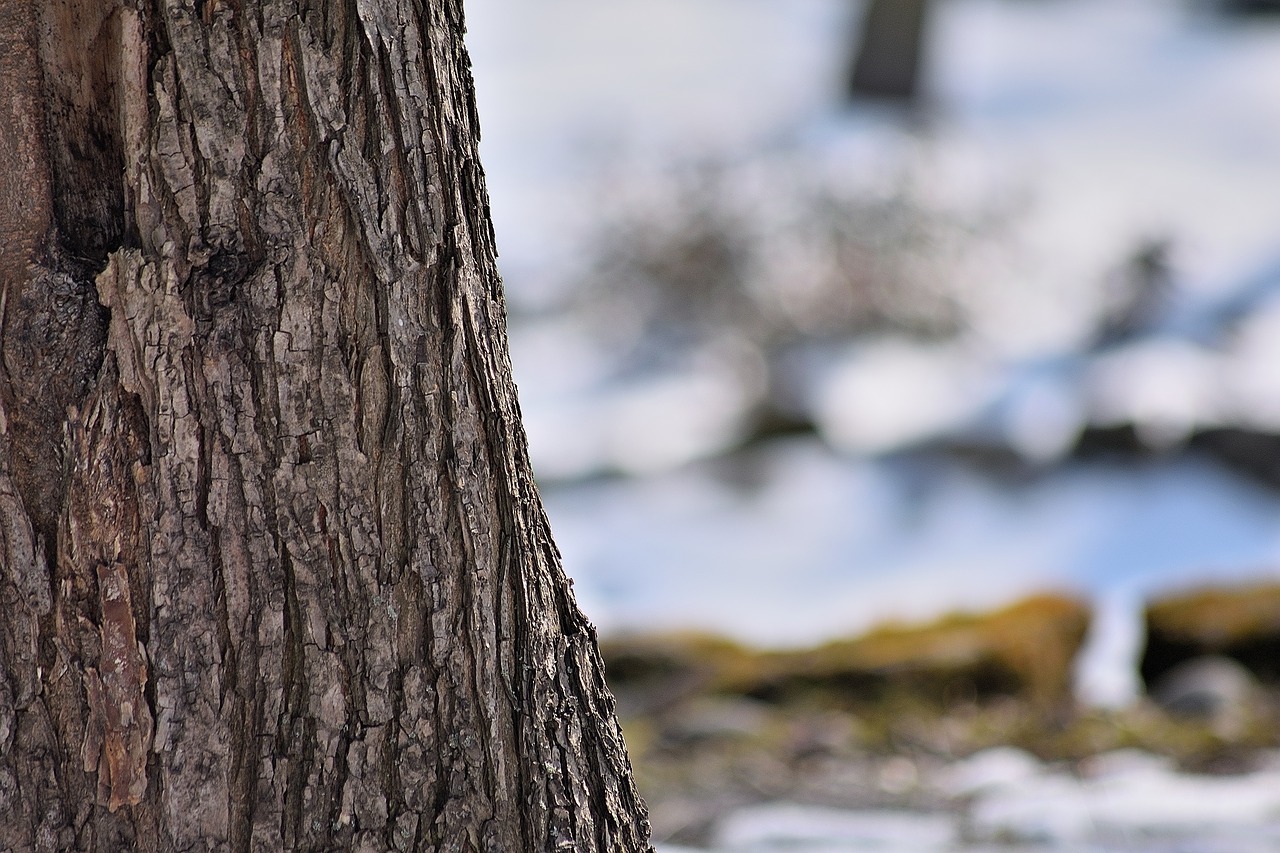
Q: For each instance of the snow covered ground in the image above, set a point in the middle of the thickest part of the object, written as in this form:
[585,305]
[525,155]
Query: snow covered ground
[1122,802]
[1122,119]
[1100,125]
[1115,122]
[811,545]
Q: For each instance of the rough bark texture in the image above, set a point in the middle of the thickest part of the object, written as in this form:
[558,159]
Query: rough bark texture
[273,571]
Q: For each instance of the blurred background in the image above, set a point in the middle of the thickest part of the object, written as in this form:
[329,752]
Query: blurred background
[827,314]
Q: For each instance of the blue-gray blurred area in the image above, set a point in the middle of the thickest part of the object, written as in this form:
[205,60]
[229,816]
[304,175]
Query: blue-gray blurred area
[797,355]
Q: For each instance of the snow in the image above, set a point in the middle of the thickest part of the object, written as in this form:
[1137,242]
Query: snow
[1129,794]
[573,92]
[1096,125]
[1043,418]
[801,544]
[1003,799]
[999,768]
[889,395]
[1120,120]
[1166,387]
[1137,118]
[1116,121]
[638,428]
[793,827]
[1251,369]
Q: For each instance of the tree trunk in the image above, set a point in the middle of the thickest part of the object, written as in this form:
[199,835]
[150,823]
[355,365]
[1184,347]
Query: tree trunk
[890,47]
[273,571]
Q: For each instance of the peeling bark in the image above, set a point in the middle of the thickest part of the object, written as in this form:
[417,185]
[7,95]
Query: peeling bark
[274,574]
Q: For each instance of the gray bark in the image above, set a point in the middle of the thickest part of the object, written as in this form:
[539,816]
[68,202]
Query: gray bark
[274,574]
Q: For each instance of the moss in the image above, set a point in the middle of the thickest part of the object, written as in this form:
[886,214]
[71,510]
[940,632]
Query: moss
[949,687]
[1242,623]
[1218,615]
[1025,650]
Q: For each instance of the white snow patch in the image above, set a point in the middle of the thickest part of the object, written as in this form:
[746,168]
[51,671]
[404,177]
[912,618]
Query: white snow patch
[891,393]
[1044,421]
[998,768]
[786,826]
[1252,369]
[1166,387]
[1128,795]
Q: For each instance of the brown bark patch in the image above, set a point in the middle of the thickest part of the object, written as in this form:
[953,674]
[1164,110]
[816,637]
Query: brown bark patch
[118,735]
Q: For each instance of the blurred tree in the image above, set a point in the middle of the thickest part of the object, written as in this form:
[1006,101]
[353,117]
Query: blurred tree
[890,49]
[273,571]
[1140,293]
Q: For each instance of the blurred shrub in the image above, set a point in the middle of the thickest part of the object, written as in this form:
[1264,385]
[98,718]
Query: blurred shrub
[779,261]
[768,268]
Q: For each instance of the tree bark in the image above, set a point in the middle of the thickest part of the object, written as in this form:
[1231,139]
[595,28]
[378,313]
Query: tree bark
[274,574]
